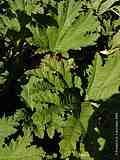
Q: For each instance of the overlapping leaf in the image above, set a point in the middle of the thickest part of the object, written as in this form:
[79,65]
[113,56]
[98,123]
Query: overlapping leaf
[105,6]
[7,23]
[7,127]
[102,6]
[45,85]
[29,6]
[71,133]
[74,128]
[74,31]
[116,41]
[21,149]
[47,82]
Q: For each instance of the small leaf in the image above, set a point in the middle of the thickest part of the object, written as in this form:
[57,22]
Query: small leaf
[116,40]
[85,114]
[39,37]
[51,131]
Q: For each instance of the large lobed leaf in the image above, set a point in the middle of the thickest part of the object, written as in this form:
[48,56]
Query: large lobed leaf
[47,82]
[80,34]
[105,79]
[53,111]
[74,29]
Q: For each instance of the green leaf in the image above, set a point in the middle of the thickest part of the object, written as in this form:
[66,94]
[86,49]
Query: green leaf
[12,24]
[67,146]
[41,117]
[20,114]
[84,154]
[85,114]
[116,23]
[73,128]
[51,92]
[106,5]
[17,5]
[7,127]
[74,30]
[95,4]
[105,79]
[29,6]
[39,131]
[68,10]
[52,33]
[71,133]
[116,40]
[47,82]
[51,131]
[116,9]
[78,34]
[39,37]
[57,121]
[3,77]
[21,150]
